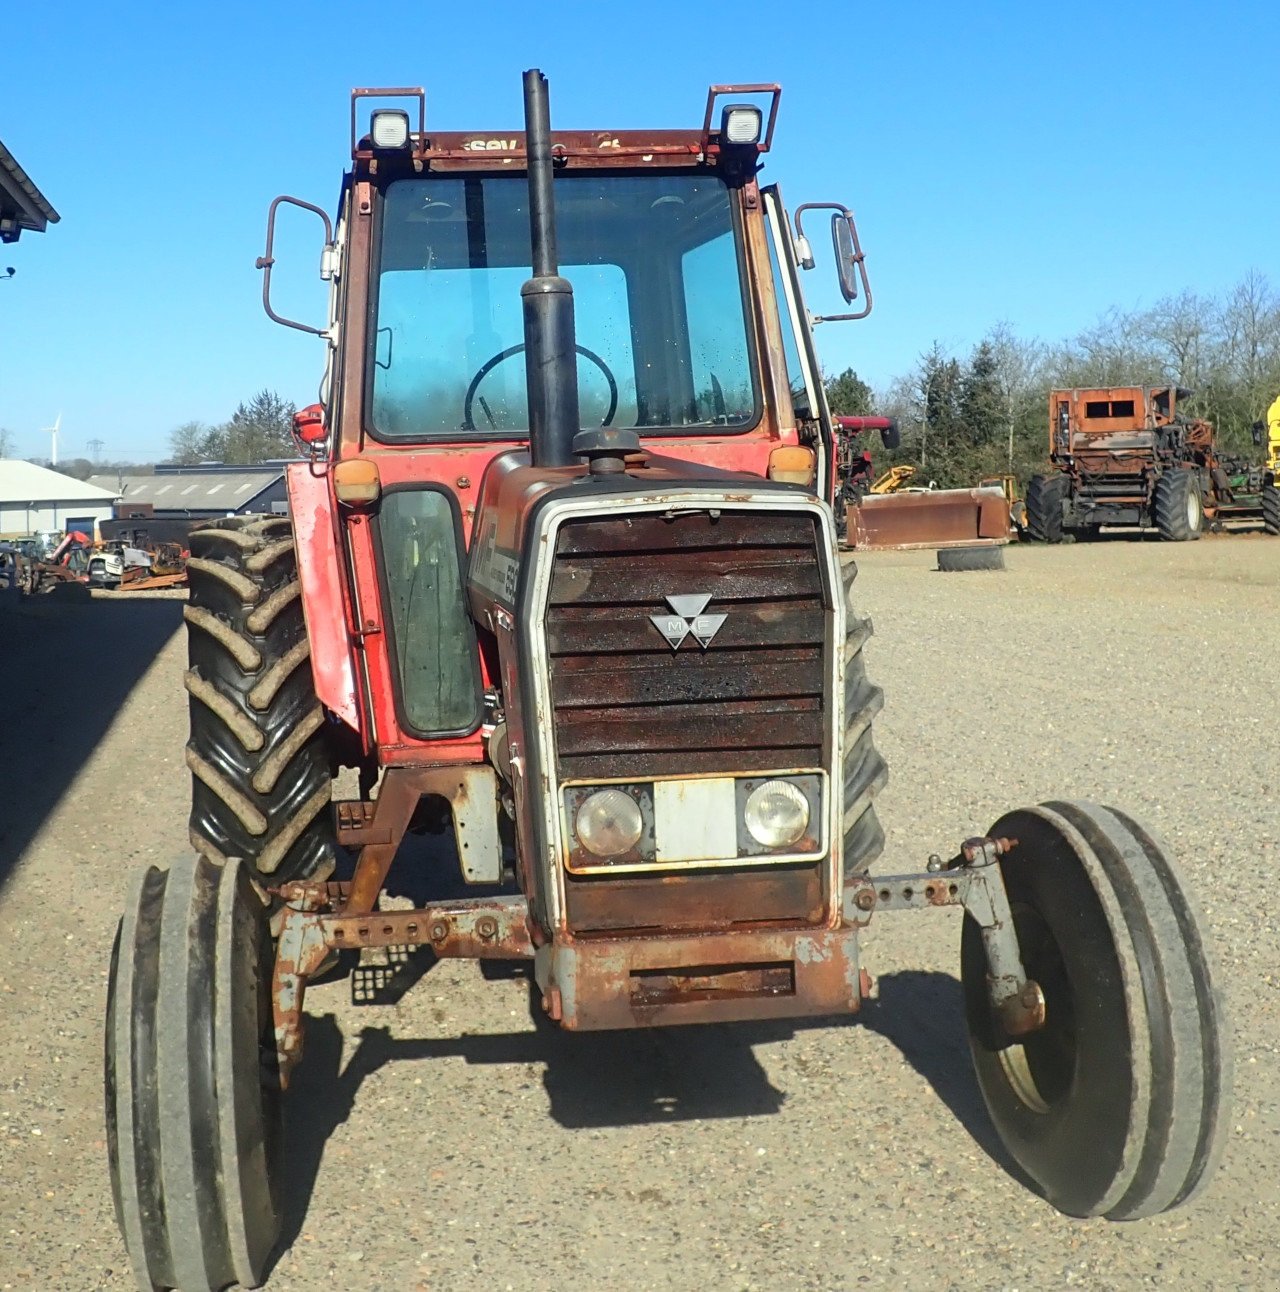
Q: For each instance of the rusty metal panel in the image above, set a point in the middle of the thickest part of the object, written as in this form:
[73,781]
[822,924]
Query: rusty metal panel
[698,901]
[724,977]
[937,518]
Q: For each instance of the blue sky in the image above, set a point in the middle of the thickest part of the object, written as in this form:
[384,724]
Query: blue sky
[1007,161]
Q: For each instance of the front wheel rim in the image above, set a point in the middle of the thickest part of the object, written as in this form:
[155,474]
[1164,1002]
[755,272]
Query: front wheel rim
[1041,1070]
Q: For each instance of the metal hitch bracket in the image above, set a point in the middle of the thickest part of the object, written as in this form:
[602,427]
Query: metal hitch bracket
[971,879]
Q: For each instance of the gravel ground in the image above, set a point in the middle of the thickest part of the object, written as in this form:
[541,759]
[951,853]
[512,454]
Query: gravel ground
[450,1142]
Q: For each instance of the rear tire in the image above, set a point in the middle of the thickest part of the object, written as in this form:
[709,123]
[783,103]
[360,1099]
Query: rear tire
[260,766]
[954,559]
[1271,509]
[1118,1105]
[1045,496]
[865,772]
[1178,506]
[192,1098]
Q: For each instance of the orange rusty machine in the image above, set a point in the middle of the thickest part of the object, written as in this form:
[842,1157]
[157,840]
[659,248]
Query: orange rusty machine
[1129,455]
[561,573]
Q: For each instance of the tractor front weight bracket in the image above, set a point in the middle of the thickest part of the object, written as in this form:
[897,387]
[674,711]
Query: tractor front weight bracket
[313,925]
[971,879]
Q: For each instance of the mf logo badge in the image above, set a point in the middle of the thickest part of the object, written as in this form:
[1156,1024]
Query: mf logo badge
[688,618]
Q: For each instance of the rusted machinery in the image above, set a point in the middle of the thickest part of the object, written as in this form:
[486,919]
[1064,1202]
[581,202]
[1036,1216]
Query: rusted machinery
[876,513]
[594,612]
[1128,455]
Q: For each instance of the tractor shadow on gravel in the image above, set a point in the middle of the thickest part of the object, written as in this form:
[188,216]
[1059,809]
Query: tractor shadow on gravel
[922,1013]
[631,1078]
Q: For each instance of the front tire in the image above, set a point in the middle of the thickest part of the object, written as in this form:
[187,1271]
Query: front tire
[192,1100]
[1271,509]
[865,772]
[261,775]
[1117,1105]
[1178,506]
[1045,496]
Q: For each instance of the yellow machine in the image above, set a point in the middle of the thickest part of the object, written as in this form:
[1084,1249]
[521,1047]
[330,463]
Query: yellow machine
[1008,485]
[894,479]
[1273,439]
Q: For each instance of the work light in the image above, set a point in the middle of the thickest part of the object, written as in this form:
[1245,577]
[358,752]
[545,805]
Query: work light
[740,124]
[389,129]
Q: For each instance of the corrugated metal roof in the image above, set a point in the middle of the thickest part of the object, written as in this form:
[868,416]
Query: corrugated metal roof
[24,482]
[22,202]
[195,491]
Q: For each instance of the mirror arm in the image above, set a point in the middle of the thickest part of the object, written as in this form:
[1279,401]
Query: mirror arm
[859,258]
[265,261]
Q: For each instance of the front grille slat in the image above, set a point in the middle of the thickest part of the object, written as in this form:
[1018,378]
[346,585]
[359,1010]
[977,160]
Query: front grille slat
[626,704]
[594,631]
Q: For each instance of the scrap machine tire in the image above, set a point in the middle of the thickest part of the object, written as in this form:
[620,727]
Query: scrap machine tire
[955,559]
[864,769]
[1271,509]
[260,768]
[1177,506]
[1045,495]
[1118,1105]
[192,1094]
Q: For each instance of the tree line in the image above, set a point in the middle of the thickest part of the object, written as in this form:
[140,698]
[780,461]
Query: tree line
[985,413]
[258,431]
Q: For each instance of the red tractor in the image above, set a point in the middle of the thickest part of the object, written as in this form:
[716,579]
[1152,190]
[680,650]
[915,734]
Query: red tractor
[560,570]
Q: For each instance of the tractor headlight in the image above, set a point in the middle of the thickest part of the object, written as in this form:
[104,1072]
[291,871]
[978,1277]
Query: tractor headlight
[609,823]
[776,814]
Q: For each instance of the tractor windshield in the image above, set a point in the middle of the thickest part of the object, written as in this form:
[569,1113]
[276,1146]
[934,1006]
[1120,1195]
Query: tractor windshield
[656,267]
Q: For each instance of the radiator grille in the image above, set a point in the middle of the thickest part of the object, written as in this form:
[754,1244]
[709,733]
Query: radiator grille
[626,704]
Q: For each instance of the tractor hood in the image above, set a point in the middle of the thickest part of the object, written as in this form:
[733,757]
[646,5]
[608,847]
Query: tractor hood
[513,491]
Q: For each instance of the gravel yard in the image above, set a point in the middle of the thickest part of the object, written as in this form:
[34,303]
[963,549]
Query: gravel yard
[452,1142]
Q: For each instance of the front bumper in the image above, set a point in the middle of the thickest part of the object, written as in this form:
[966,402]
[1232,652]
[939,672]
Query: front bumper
[601,983]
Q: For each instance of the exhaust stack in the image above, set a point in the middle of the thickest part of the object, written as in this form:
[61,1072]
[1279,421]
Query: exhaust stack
[551,360]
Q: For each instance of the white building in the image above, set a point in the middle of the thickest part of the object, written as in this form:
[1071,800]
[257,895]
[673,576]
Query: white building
[33,498]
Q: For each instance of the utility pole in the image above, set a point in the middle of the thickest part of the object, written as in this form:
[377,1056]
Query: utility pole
[95,450]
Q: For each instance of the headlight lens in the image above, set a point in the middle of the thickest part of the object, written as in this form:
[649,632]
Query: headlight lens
[609,823]
[776,814]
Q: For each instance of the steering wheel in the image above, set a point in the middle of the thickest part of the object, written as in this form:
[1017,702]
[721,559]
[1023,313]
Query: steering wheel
[489,365]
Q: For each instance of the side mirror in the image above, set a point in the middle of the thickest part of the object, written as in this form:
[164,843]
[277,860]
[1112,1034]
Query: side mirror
[1258,429]
[890,436]
[851,269]
[266,261]
[848,257]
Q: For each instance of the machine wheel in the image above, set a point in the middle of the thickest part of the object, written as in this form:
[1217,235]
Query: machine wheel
[193,1116]
[260,767]
[970,558]
[864,769]
[1178,506]
[1118,1105]
[1045,496]
[1271,509]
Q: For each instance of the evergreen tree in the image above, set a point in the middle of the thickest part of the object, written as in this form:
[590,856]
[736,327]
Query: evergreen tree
[849,396]
[259,430]
[984,406]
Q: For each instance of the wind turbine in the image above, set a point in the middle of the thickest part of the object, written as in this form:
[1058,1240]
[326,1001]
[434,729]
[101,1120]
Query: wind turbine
[53,430]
